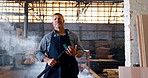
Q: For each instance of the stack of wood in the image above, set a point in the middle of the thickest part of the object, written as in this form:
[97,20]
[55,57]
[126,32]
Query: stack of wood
[111,73]
[30,57]
[142,29]
[133,72]
[102,53]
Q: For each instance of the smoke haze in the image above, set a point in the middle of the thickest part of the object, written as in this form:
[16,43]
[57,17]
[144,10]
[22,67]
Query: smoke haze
[11,42]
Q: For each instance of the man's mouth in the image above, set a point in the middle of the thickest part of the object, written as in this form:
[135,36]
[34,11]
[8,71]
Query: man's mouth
[57,25]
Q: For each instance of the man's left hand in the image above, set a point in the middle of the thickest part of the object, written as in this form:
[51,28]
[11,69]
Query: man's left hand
[72,51]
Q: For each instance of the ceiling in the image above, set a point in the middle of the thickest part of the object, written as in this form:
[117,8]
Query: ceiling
[94,1]
[88,0]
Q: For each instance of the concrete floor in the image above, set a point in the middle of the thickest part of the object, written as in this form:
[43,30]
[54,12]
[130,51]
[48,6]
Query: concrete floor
[26,72]
[19,74]
[33,71]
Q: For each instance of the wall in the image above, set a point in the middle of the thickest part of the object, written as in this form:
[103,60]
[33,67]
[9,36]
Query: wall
[87,31]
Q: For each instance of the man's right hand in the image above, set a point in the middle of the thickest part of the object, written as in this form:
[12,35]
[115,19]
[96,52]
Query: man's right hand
[50,61]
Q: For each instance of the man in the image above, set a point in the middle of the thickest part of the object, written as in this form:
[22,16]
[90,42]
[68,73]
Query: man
[52,45]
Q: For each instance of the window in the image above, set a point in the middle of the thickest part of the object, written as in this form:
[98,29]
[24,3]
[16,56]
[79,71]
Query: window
[13,11]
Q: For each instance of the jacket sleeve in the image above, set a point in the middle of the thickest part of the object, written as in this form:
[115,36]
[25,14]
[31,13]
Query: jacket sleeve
[78,42]
[74,39]
[42,48]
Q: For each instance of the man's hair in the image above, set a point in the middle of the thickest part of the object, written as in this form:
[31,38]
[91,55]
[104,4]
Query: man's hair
[58,14]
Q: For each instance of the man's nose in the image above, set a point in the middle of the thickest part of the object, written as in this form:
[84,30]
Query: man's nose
[57,19]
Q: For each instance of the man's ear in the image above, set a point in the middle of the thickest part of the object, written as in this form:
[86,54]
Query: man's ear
[63,21]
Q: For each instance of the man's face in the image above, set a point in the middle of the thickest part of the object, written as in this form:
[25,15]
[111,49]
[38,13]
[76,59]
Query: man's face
[58,21]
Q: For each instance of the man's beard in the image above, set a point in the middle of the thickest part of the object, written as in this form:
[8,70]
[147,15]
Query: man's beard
[58,26]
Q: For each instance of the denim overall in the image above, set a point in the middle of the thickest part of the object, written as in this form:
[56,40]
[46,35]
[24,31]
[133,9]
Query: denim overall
[68,66]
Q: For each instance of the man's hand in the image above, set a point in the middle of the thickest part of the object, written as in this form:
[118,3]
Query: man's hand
[50,61]
[72,51]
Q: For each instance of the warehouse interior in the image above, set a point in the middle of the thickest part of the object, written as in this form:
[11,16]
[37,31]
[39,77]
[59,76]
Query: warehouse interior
[107,30]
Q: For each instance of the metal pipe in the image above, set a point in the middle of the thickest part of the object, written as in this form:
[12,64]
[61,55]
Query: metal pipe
[26,20]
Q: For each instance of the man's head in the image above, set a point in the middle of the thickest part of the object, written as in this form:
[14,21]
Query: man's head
[58,21]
